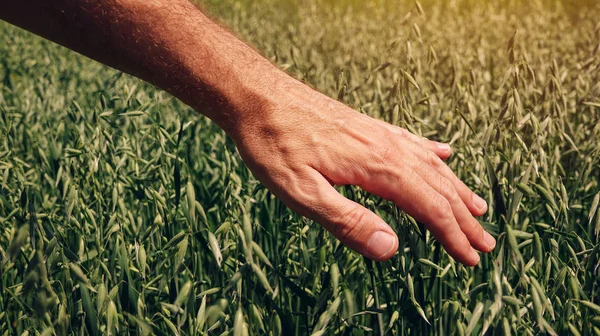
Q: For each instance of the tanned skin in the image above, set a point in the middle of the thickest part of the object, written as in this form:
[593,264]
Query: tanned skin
[297,142]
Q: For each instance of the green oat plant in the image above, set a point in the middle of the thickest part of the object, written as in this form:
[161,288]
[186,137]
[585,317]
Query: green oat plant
[123,211]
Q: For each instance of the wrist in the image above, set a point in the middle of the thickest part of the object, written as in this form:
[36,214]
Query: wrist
[254,104]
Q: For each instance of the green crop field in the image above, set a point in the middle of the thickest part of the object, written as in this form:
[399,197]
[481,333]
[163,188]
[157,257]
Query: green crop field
[123,211]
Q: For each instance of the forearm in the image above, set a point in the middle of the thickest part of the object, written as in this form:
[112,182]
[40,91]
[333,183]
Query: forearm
[170,44]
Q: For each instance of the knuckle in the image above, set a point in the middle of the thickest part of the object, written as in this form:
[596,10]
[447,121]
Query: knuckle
[354,172]
[403,133]
[476,229]
[300,190]
[433,160]
[446,188]
[349,225]
[358,177]
[449,233]
[443,229]
[442,211]
[389,136]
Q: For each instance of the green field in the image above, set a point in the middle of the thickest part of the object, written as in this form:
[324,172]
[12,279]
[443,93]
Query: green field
[122,211]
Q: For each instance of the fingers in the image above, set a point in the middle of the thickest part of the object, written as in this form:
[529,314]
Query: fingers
[416,179]
[419,199]
[442,150]
[462,200]
[351,223]
[477,236]
[476,205]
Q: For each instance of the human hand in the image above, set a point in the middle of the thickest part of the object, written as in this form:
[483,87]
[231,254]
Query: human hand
[304,142]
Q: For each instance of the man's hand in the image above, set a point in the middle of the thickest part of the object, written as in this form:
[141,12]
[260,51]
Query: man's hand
[297,141]
[305,142]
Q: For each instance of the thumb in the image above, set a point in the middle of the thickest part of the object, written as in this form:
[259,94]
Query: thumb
[355,226]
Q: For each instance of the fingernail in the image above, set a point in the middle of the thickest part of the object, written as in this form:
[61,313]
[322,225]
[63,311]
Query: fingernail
[381,244]
[443,146]
[479,202]
[489,240]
